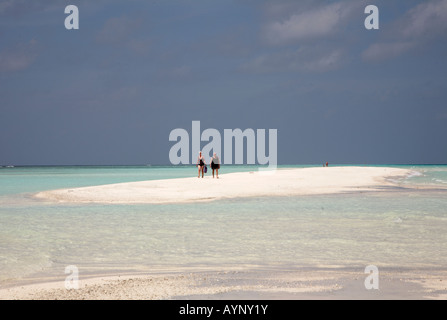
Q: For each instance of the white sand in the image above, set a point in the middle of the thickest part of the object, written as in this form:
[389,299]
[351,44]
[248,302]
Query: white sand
[281,182]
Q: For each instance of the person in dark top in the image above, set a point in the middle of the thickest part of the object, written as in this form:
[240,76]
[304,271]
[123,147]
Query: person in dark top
[200,164]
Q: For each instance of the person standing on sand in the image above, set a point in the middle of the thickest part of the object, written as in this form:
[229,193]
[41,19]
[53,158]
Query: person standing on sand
[215,165]
[200,164]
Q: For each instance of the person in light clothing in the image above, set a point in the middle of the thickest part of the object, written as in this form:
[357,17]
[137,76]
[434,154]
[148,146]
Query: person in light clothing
[215,165]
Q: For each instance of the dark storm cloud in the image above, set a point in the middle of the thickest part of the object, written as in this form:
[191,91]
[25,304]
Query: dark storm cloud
[18,57]
[111,92]
[418,27]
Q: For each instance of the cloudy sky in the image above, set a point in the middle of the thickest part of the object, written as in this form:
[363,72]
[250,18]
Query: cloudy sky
[112,91]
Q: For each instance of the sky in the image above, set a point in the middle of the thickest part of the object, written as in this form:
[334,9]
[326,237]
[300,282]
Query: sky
[111,92]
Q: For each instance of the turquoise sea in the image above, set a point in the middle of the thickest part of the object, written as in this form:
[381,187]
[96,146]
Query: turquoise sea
[405,227]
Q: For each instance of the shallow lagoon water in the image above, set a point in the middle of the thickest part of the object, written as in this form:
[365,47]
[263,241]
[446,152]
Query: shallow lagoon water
[395,228]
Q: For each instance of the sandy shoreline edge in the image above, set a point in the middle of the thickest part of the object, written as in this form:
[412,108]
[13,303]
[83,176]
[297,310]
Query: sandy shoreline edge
[299,283]
[280,182]
[296,284]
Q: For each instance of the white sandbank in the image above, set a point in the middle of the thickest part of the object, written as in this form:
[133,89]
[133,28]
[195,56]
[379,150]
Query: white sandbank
[280,182]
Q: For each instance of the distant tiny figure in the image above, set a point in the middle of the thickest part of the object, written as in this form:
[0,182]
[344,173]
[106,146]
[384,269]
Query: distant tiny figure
[200,164]
[215,165]
[327,164]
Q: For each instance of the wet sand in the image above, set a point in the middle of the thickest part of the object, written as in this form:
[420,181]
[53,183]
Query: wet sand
[323,283]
